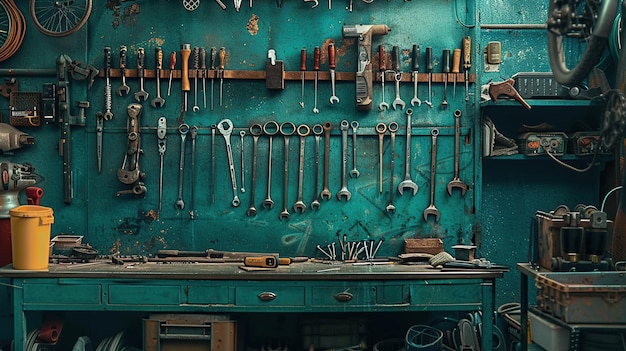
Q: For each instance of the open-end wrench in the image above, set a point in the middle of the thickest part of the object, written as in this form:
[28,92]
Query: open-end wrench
[331,65]
[328,126]
[431,209]
[242,134]
[158,101]
[142,94]
[196,66]
[162,146]
[317,131]
[255,130]
[225,128]
[286,129]
[383,106]
[270,128]
[344,192]
[381,129]
[395,59]
[213,128]
[393,128]
[108,114]
[124,89]
[415,68]
[183,129]
[194,134]
[456,181]
[408,182]
[354,173]
[303,130]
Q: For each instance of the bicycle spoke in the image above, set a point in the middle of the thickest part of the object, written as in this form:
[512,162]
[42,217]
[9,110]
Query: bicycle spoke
[56,18]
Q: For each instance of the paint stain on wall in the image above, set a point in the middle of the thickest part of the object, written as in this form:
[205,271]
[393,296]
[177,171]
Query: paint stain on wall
[253,25]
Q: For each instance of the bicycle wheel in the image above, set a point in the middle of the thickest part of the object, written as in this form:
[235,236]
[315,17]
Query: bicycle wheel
[60,18]
[5,25]
[586,22]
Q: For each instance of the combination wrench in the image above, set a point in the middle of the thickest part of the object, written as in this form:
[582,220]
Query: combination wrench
[124,89]
[225,127]
[270,128]
[331,65]
[108,114]
[456,181]
[344,192]
[383,106]
[354,173]
[162,146]
[431,209]
[194,134]
[255,130]
[395,55]
[183,129]
[415,68]
[317,131]
[393,128]
[286,129]
[381,129]
[142,94]
[242,134]
[303,130]
[158,101]
[328,126]
[408,183]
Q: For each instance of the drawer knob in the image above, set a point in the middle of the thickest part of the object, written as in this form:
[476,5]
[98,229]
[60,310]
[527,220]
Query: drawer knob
[267,296]
[343,297]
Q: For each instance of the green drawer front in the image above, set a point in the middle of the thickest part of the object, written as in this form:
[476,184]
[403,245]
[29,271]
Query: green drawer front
[144,295]
[55,294]
[207,295]
[434,293]
[392,295]
[343,296]
[270,295]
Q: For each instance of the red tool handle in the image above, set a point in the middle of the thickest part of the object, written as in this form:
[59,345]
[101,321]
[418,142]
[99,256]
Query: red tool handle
[33,195]
[303,59]
[316,58]
[331,56]
[172,60]
[381,57]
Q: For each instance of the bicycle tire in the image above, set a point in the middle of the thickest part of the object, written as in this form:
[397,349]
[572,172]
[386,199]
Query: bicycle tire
[5,27]
[596,43]
[63,28]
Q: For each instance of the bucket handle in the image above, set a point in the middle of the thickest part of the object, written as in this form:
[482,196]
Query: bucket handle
[46,220]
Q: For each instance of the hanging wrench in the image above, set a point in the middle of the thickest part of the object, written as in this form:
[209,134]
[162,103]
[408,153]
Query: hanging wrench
[225,128]
[158,101]
[393,128]
[183,129]
[162,145]
[431,209]
[456,181]
[408,183]
[270,128]
[255,130]
[286,129]
[415,67]
[243,162]
[317,131]
[108,114]
[331,65]
[354,173]
[381,129]
[194,133]
[124,89]
[383,106]
[196,63]
[303,130]
[326,194]
[142,94]
[344,192]
[395,54]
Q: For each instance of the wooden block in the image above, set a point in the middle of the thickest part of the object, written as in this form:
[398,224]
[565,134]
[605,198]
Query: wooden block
[431,246]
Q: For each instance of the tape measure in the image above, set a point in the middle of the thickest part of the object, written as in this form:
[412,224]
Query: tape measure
[265,261]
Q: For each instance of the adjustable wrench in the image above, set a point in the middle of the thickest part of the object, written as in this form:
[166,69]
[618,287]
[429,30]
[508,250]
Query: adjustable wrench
[108,114]
[393,128]
[431,209]
[183,129]
[344,192]
[194,133]
[303,130]
[381,129]
[456,181]
[286,129]
[317,131]
[328,126]
[124,89]
[162,145]
[415,67]
[225,128]
[142,94]
[395,59]
[408,183]
[331,65]
[255,130]
[270,128]
[158,101]
[354,173]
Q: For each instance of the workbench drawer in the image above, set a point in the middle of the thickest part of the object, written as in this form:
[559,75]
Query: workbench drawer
[270,295]
[441,293]
[131,294]
[210,295]
[343,296]
[59,294]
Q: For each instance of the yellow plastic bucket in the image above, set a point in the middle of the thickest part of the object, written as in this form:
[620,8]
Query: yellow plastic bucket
[30,236]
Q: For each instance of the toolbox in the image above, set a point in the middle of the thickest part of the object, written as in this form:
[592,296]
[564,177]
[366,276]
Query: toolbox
[593,297]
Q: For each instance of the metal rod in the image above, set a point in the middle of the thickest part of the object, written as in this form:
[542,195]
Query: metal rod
[28,72]
[513,26]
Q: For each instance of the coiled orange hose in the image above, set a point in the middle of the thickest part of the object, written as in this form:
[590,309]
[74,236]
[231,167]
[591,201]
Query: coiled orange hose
[16,31]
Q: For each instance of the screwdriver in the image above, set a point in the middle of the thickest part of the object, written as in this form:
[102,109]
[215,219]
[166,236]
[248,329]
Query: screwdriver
[222,56]
[185,51]
[172,65]
[467,46]
[429,69]
[203,68]
[316,68]
[213,52]
[456,63]
[303,69]
[445,69]
[196,66]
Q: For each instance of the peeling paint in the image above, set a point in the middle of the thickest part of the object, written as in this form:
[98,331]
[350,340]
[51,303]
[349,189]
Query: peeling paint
[253,25]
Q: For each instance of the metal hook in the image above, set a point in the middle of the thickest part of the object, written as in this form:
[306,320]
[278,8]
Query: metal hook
[316,3]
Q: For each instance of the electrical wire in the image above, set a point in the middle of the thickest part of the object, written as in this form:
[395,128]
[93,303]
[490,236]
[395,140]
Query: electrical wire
[608,194]
[17,30]
[570,167]
[458,19]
